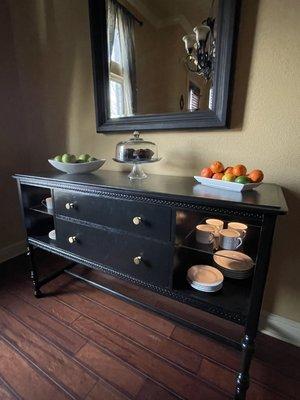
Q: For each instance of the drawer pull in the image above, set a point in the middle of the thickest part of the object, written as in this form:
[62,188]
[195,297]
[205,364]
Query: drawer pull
[72,239]
[137,220]
[137,260]
[69,206]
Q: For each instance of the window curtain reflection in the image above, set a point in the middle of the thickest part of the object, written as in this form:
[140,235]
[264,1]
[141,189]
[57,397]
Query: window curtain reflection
[122,22]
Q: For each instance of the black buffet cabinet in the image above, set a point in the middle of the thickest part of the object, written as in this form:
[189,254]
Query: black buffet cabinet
[144,233]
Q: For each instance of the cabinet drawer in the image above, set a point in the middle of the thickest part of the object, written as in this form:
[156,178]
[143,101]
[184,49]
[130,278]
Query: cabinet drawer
[117,251]
[142,219]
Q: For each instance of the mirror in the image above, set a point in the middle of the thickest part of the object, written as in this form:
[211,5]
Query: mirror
[161,64]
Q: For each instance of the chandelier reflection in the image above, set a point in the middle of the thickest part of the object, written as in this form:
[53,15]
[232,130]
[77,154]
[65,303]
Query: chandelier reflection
[200,48]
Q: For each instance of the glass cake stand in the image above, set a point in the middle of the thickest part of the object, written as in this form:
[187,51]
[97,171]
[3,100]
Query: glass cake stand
[137,171]
[136,151]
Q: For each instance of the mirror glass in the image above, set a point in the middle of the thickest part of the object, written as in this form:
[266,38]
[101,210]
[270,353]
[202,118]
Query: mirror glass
[161,56]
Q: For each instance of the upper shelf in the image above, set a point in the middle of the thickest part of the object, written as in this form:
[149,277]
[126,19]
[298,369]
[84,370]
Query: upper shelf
[267,198]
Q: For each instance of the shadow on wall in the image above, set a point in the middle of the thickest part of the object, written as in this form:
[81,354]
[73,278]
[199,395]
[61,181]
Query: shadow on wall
[242,62]
[285,254]
[13,134]
[45,61]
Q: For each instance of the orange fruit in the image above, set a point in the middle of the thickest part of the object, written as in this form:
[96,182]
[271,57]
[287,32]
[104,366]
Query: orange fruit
[218,175]
[228,170]
[256,175]
[206,173]
[217,166]
[239,170]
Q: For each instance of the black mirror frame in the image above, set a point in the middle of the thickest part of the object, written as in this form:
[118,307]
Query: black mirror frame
[215,118]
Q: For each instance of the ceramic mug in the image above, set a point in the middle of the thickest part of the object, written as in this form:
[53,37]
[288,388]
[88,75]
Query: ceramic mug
[230,239]
[238,226]
[48,203]
[217,223]
[205,234]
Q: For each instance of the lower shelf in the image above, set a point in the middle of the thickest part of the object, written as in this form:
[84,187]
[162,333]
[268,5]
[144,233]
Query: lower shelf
[230,303]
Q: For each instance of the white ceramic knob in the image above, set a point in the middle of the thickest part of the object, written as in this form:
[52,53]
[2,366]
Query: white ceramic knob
[69,206]
[137,260]
[137,220]
[72,239]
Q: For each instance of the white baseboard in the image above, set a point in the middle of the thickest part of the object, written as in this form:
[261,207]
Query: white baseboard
[13,250]
[281,328]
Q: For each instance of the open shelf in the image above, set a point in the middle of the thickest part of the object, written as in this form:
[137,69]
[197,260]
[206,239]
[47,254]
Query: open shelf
[231,302]
[41,209]
[190,243]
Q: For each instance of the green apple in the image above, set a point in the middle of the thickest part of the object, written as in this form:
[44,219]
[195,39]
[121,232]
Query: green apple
[58,158]
[68,158]
[84,157]
[92,159]
[228,177]
[242,179]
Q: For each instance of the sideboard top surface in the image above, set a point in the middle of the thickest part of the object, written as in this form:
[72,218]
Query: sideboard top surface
[267,197]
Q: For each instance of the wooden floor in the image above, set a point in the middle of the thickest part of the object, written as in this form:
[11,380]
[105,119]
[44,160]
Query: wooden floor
[81,343]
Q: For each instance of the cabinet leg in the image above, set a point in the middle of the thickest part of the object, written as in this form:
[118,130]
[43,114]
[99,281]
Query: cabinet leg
[243,376]
[33,272]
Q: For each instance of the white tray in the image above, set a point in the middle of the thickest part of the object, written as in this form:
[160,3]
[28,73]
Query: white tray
[233,186]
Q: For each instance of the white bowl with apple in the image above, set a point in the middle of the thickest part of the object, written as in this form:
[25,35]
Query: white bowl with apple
[71,164]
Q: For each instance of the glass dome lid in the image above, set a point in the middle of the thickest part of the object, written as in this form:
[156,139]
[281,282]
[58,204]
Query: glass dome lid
[136,151]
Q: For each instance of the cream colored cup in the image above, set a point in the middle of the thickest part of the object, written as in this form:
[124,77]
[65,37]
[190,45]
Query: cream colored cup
[217,223]
[230,239]
[205,234]
[48,203]
[238,226]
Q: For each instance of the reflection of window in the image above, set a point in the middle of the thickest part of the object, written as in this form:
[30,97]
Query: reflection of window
[116,79]
[194,97]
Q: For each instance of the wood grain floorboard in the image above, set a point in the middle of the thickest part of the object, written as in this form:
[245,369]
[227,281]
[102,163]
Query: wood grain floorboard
[6,393]
[81,343]
[112,370]
[49,304]
[147,363]
[262,372]
[145,336]
[103,391]
[46,326]
[21,375]
[146,318]
[71,375]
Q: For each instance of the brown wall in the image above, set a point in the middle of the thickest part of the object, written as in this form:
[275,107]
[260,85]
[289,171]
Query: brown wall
[52,50]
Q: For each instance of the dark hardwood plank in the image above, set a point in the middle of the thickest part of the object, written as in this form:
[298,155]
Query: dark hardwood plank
[122,337]
[25,379]
[207,347]
[55,331]
[54,362]
[265,373]
[150,339]
[280,355]
[49,304]
[144,317]
[112,370]
[225,379]
[146,362]
[6,393]
[151,391]
[103,391]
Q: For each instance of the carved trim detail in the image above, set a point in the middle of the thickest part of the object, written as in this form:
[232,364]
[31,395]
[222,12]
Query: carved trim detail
[219,311]
[144,199]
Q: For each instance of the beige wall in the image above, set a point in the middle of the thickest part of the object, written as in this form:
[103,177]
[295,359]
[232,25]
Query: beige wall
[54,62]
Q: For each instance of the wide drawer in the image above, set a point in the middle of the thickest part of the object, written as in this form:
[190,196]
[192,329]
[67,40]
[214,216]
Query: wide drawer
[143,219]
[118,251]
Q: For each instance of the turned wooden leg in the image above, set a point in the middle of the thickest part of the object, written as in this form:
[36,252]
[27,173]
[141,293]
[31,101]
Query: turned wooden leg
[33,272]
[243,376]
